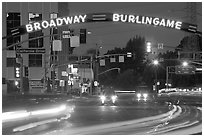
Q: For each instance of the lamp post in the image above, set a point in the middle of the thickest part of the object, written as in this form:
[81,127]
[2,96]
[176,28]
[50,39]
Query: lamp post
[97,64]
[167,77]
[156,63]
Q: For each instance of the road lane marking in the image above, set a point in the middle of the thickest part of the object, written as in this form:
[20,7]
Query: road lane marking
[32,125]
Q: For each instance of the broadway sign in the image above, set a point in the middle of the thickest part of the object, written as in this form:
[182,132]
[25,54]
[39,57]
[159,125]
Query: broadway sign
[104,17]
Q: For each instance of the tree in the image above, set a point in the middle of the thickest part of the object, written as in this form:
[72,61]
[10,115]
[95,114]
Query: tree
[132,69]
[92,52]
[191,43]
[127,80]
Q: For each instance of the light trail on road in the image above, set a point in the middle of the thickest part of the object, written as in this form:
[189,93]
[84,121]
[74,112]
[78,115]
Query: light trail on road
[179,118]
[124,118]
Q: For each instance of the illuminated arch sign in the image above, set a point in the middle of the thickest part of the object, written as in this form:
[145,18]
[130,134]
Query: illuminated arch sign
[103,17]
[55,23]
[147,20]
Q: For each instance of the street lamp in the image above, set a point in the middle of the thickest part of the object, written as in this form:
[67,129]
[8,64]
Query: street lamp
[185,63]
[156,63]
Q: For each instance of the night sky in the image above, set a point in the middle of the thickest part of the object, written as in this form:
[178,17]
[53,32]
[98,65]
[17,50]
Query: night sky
[110,35]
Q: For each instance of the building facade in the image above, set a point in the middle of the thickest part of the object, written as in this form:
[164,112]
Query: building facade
[39,65]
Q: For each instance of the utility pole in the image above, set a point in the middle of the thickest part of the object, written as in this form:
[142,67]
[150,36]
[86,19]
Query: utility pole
[45,76]
[156,86]
[21,75]
[91,86]
[96,68]
[167,76]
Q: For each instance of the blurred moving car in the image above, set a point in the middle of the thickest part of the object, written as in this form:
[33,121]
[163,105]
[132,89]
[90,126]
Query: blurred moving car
[108,96]
[144,94]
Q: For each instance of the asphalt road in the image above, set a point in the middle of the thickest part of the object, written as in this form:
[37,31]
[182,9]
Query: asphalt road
[171,114]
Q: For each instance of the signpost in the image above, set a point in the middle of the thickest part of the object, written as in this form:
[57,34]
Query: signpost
[30,51]
[185,69]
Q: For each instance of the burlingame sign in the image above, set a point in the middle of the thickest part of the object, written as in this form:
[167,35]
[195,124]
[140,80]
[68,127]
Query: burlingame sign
[147,20]
[101,17]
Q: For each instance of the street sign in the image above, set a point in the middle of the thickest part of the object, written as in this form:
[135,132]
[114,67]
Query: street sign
[160,45]
[74,41]
[185,69]
[57,45]
[64,73]
[30,50]
[62,83]
[112,59]
[96,83]
[66,34]
[102,62]
[121,58]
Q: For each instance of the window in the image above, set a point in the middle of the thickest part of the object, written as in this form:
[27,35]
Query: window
[37,43]
[35,60]
[54,58]
[10,62]
[3,80]
[13,20]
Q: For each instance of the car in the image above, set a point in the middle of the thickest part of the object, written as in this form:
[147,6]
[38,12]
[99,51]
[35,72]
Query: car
[144,94]
[108,97]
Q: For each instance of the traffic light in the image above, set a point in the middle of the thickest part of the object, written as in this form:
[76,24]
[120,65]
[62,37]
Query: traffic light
[148,47]
[82,36]
[53,75]
[17,71]
[26,71]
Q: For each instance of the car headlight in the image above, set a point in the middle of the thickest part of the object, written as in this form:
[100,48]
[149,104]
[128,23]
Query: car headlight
[114,97]
[103,97]
[145,95]
[139,95]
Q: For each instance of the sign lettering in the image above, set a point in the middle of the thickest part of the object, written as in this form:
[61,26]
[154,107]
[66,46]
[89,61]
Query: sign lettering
[31,51]
[137,19]
[147,20]
[55,23]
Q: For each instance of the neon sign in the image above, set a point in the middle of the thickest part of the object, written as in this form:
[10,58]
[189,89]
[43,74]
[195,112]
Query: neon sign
[147,20]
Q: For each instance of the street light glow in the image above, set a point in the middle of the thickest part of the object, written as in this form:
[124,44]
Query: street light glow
[155,62]
[16,83]
[148,44]
[89,32]
[185,63]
